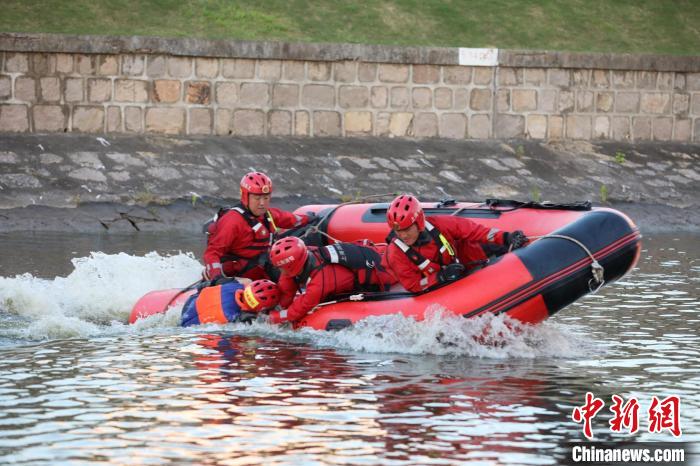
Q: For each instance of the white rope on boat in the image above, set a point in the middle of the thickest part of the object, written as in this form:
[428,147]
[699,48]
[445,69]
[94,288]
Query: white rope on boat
[314,229]
[597,270]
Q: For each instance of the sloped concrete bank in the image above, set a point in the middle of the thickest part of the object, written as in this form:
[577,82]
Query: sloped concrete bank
[72,182]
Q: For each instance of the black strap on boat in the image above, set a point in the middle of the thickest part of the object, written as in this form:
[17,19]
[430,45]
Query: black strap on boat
[510,205]
[446,202]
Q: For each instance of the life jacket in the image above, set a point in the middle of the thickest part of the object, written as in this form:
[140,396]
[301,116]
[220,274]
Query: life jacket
[261,241]
[362,260]
[446,250]
[212,305]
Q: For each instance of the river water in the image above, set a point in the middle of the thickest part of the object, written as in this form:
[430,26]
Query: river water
[79,386]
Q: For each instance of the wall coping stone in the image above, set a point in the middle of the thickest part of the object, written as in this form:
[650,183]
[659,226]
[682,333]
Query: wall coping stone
[62,43]
[606,61]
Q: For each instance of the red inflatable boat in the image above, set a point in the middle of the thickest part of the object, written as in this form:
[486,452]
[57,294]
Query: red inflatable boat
[579,250]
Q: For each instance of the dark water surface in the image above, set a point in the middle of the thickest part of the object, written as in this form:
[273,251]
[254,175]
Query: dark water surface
[79,386]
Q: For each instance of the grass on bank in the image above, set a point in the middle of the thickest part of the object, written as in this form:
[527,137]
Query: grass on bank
[634,26]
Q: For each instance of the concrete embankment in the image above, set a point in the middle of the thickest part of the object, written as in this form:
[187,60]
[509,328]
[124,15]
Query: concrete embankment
[72,182]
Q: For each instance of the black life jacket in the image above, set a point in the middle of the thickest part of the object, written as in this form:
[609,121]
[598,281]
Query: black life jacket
[363,261]
[434,235]
[260,244]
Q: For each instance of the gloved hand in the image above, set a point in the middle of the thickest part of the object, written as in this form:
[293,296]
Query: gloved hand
[450,273]
[515,239]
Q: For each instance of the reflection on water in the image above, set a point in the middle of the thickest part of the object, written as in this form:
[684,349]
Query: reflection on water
[235,395]
[180,396]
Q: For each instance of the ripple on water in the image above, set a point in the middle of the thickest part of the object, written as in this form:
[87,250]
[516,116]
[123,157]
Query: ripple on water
[387,391]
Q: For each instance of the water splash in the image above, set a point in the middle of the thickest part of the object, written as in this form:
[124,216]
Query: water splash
[441,333]
[99,292]
[96,298]
[444,333]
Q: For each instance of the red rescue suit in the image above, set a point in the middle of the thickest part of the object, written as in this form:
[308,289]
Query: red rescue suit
[321,280]
[237,239]
[464,237]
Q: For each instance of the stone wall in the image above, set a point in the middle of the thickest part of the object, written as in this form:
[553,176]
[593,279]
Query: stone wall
[54,83]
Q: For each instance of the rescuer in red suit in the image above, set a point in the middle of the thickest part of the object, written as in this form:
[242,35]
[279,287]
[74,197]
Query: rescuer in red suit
[239,238]
[323,272]
[425,251]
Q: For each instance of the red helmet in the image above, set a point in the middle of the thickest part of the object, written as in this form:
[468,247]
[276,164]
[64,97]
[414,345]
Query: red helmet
[254,183]
[404,211]
[289,255]
[259,295]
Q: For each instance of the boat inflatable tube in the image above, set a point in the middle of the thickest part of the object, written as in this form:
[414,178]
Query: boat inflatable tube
[158,302]
[529,284]
[574,250]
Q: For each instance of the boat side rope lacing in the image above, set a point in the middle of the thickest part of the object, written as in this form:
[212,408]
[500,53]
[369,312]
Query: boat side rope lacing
[597,270]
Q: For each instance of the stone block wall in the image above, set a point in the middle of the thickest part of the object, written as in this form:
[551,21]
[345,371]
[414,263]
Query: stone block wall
[560,103]
[54,83]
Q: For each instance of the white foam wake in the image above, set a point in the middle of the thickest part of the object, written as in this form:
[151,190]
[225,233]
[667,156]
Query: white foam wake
[99,292]
[97,297]
[443,333]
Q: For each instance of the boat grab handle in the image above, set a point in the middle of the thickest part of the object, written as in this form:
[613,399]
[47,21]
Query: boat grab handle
[597,270]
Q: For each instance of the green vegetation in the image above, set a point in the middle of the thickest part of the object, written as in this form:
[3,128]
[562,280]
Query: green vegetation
[194,199]
[620,157]
[603,193]
[636,26]
[535,194]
